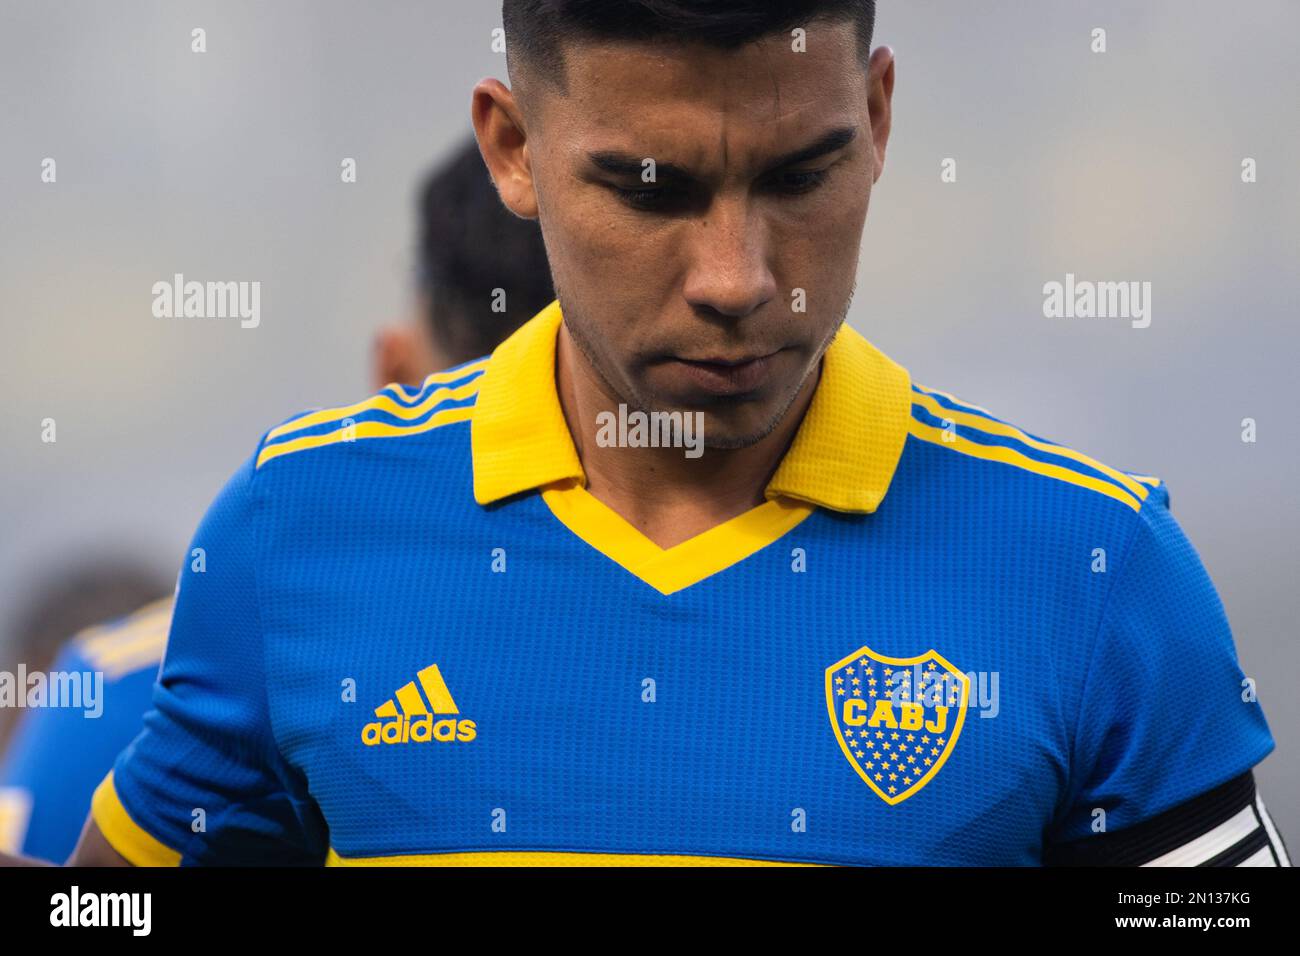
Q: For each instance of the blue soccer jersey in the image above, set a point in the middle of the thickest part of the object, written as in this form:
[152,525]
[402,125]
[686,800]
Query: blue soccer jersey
[60,754]
[407,633]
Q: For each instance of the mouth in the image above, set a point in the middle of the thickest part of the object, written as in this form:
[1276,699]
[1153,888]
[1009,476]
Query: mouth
[723,375]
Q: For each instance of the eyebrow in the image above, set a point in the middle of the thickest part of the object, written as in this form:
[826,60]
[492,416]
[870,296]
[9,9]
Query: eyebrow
[622,164]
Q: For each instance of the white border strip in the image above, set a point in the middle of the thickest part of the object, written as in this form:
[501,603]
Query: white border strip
[1210,844]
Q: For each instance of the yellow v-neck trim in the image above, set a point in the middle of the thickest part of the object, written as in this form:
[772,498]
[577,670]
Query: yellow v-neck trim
[668,570]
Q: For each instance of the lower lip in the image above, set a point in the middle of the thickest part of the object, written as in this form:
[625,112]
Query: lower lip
[725,379]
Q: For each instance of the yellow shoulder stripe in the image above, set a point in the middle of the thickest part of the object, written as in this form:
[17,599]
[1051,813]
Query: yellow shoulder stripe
[137,641]
[125,635]
[451,375]
[1010,431]
[381,402]
[146,650]
[146,618]
[1010,456]
[364,430]
[1151,480]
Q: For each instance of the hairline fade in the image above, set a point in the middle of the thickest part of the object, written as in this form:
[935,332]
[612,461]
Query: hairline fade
[539,31]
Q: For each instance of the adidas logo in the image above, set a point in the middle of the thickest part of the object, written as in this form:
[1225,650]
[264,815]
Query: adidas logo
[415,722]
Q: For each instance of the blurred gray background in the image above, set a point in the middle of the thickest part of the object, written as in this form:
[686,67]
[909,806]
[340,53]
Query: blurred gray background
[1118,166]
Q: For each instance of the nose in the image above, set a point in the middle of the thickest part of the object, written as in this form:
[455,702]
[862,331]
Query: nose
[727,260]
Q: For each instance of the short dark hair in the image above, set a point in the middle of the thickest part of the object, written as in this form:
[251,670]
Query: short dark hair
[536,30]
[470,246]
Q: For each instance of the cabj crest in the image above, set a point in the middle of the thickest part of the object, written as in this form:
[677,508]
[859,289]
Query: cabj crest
[897,719]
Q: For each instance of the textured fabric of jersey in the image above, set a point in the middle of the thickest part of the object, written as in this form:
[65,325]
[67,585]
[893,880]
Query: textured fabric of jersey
[405,632]
[60,754]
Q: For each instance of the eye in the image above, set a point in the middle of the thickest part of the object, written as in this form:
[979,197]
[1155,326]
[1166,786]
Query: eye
[799,181]
[639,198]
[664,198]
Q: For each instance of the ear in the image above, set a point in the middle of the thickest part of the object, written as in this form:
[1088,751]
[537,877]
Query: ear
[880,95]
[498,125]
[401,353]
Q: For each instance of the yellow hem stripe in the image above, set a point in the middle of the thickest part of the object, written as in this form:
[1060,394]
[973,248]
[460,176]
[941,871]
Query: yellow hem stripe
[1010,431]
[544,858]
[939,436]
[15,812]
[364,430]
[123,834]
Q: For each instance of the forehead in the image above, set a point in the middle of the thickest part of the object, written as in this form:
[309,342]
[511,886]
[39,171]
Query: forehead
[701,105]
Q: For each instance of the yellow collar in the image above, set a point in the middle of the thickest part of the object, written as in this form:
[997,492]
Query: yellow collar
[843,456]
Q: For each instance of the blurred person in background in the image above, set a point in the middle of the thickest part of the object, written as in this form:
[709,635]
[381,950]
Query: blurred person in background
[95,590]
[482,273]
[473,253]
[57,754]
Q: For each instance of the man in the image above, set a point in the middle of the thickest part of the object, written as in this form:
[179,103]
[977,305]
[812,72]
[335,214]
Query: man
[469,245]
[502,619]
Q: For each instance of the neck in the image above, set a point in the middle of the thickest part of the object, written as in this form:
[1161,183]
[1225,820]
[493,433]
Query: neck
[666,495]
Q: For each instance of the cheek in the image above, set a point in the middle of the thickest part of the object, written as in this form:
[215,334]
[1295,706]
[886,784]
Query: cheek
[818,246]
[591,232]
[596,259]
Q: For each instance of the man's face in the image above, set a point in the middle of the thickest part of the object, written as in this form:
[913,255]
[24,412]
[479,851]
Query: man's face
[682,292]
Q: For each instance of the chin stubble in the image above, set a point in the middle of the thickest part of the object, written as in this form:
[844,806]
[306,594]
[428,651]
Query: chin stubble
[726,443]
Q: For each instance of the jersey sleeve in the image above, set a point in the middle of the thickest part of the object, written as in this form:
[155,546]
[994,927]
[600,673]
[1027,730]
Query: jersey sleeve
[1226,826]
[1166,713]
[204,782]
